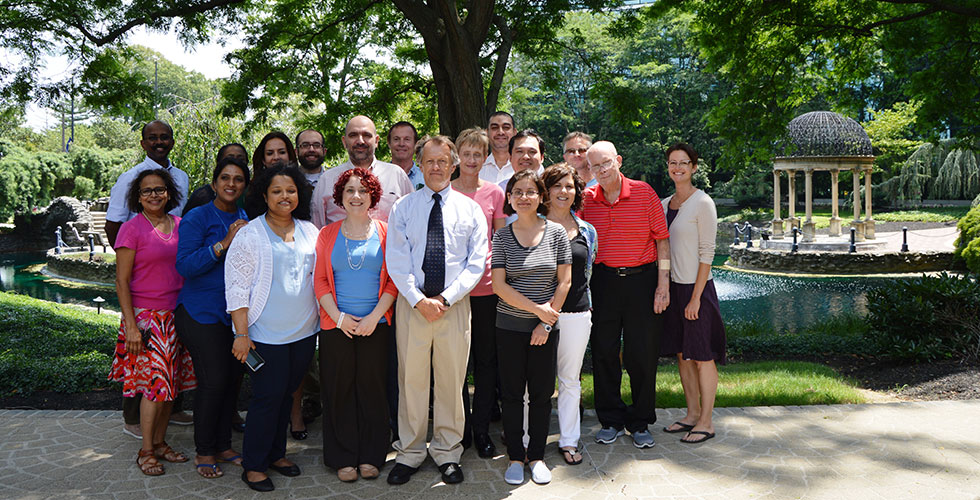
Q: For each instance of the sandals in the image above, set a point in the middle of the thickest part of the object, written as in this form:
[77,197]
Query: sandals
[209,471]
[705,435]
[164,451]
[233,459]
[149,464]
[681,427]
[569,455]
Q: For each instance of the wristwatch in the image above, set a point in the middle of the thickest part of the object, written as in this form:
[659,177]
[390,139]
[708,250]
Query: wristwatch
[547,327]
[218,248]
[444,301]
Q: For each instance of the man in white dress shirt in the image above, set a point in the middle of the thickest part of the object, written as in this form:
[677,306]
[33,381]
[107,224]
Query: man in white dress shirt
[436,253]
[360,140]
[497,167]
[157,141]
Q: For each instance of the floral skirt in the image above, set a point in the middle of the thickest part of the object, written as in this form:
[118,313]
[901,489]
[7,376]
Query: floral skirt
[163,368]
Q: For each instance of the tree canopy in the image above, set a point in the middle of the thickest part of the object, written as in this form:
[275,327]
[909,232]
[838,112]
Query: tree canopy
[784,57]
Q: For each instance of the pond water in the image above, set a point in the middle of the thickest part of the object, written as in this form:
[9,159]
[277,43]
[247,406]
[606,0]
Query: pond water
[14,277]
[786,303]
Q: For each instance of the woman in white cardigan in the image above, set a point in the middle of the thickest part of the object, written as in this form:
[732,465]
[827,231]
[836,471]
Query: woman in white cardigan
[693,329]
[269,291]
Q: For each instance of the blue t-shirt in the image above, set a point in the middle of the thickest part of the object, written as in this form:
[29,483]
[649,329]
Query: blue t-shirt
[203,294]
[357,289]
[291,312]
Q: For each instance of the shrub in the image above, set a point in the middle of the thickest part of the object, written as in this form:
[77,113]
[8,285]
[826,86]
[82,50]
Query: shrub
[51,347]
[927,318]
[844,334]
[969,227]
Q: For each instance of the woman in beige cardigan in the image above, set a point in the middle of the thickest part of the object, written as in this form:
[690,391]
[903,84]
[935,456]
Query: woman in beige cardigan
[693,329]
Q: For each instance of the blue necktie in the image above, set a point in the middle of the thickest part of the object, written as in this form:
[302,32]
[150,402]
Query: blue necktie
[434,263]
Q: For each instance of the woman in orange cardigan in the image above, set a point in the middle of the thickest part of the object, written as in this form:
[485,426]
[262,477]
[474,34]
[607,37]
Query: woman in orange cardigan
[355,295]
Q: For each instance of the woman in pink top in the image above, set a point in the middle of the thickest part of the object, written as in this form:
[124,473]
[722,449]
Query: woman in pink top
[472,145]
[149,359]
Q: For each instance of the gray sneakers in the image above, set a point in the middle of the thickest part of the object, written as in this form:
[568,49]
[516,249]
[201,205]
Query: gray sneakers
[608,435]
[643,439]
[514,473]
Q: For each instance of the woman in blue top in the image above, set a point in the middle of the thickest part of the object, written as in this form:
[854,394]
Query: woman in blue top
[202,323]
[269,293]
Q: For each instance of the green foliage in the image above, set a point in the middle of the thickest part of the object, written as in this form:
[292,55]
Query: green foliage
[112,133]
[971,254]
[946,170]
[927,318]
[890,131]
[751,186]
[51,347]
[199,131]
[969,227]
[84,188]
[32,179]
[786,57]
[976,202]
[925,214]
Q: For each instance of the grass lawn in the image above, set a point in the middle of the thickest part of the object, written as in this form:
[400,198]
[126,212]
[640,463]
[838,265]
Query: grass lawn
[764,383]
[99,256]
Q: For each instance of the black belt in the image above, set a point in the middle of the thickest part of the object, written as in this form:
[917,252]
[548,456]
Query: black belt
[625,271]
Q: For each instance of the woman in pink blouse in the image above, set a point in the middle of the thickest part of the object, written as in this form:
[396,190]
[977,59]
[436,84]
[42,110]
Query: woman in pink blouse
[149,359]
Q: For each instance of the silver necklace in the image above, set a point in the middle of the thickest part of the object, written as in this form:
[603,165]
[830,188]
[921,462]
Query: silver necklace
[156,231]
[350,258]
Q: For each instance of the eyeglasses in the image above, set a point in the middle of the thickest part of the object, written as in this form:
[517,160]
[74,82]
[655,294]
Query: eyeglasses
[682,163]
[308,145]
[579,151]
[603,166]
[159,191]
[517,193]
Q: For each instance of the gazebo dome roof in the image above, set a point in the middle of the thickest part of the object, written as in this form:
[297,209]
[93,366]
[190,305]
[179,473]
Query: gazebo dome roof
[825,133]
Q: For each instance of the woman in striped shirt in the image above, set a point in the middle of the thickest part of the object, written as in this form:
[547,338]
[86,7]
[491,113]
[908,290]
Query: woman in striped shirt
[531,273]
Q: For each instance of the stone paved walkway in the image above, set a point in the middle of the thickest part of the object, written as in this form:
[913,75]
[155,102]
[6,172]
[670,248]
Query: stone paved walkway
[875,451]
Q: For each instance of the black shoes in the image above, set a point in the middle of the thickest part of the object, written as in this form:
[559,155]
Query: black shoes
[263,485]
[452,473]
[484,445]
[286,470]
[401,473]
[299,435]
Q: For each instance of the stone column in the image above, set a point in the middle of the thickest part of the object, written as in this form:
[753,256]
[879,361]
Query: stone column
[791,186]
[857,223]
[834,216]
[869,221]
[809,228]
[777,222]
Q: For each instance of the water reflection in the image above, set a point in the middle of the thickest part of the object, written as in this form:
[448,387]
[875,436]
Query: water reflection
[788,303]
[14,277]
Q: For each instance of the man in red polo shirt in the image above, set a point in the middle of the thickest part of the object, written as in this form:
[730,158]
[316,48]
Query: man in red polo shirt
[629,291]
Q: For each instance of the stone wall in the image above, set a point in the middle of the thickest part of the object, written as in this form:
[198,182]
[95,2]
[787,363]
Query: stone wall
[839,263]
[39,227]
[95,271]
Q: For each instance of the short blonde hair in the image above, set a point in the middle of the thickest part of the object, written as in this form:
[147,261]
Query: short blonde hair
[473,137]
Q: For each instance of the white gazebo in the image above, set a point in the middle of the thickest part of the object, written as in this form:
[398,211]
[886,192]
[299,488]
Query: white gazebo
[823,141]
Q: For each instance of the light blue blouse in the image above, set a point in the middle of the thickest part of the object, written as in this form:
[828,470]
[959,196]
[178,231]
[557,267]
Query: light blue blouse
[357,289]
[290,313]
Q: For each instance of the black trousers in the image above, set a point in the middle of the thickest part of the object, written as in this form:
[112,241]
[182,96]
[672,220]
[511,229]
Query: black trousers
[483,361]
[523,365]
[272,399]
[353,379]
[217,373]
[624,305]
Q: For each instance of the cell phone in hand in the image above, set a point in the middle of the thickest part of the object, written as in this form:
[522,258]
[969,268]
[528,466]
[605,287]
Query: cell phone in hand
[254,361]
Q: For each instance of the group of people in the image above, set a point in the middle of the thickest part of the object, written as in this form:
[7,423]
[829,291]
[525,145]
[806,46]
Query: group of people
[459,255]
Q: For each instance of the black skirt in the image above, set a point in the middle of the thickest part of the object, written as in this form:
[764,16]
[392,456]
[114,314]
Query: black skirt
[700,340]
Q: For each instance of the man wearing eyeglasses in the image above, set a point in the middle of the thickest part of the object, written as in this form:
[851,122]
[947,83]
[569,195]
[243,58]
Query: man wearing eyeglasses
[629,285]
[310,153]
[574,147]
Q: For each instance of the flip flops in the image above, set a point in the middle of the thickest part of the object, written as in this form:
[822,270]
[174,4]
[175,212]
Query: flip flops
[707,435]
[569,455]
[216,472]
[681,427]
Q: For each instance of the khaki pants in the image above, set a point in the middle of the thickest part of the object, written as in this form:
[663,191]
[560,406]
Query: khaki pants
[443,345]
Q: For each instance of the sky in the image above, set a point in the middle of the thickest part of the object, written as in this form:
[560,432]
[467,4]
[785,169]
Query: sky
[205,59]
